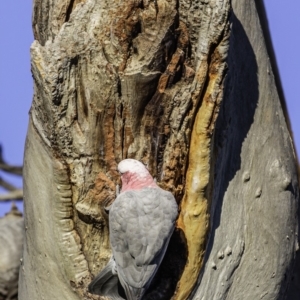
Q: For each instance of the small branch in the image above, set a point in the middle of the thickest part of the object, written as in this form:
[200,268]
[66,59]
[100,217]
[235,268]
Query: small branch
[14,195]
[16,170]
[7,186]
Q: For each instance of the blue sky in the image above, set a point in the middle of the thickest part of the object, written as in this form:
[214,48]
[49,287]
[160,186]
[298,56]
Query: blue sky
[16,86]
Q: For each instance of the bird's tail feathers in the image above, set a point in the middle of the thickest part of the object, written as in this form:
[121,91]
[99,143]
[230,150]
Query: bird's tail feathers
[131,292]
[106,282]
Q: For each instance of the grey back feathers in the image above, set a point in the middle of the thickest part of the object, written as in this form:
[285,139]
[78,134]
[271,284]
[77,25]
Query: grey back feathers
[141,223]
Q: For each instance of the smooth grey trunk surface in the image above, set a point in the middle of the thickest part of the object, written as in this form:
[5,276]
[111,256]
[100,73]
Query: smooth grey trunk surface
[253,238]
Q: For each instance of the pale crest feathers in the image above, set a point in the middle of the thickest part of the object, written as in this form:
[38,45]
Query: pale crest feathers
[133,166]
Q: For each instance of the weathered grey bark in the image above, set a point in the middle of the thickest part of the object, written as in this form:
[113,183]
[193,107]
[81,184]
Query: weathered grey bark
[11,242]
[145,79]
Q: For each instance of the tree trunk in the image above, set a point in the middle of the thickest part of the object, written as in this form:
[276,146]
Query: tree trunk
[187,88]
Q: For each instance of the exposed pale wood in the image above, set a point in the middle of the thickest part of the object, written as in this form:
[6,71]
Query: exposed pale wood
[194,216]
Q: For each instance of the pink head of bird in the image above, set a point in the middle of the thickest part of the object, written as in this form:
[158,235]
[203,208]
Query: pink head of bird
[134,175]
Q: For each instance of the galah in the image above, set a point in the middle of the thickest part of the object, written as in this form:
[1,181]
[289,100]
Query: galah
[141,222]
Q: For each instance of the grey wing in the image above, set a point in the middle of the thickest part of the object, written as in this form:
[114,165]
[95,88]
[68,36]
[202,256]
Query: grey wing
[141,224]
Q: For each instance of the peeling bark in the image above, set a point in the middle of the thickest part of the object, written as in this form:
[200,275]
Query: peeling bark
[146,80]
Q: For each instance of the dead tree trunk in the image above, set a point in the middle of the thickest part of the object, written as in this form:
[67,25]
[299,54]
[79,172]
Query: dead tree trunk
[187,88]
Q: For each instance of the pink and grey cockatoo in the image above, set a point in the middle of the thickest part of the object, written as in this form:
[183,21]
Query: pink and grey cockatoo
[141,222]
